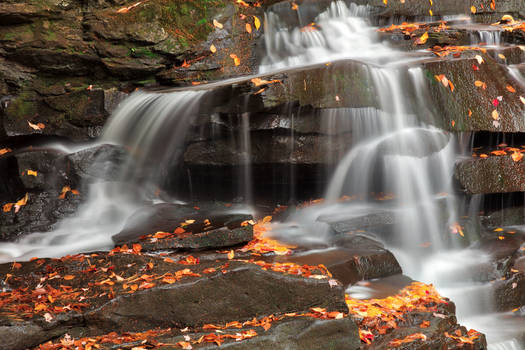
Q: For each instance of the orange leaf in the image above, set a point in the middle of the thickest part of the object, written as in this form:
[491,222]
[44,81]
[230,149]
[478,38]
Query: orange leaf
[69,277]
[38,126]
[510,89]
[4,151]
[136,248]
[236,59]
[422,39]
[516,156]
[473,9]
[7,207]
[231,255]
[249,28]
[32,173]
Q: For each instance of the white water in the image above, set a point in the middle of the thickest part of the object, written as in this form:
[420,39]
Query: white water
[388,144]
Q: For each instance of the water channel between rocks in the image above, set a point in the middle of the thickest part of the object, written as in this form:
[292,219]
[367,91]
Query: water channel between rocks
[385,155]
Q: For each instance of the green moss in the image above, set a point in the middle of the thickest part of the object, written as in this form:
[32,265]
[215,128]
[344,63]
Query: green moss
[51,36]
[188,22]
[142,52]
[22,107]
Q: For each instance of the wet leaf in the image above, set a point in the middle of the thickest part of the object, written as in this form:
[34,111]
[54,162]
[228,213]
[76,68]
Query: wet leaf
[294,6]
[231,254]
[480,84]
[4,151]
[479,59]
[510,89]
[32,173]
[213,49]
[248,28]
[21,203]
[517,156]
[473,9]
[495,115]
[69,277]
[502,56]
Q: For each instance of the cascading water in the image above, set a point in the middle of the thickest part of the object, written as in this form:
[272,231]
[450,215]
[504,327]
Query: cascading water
[153,128]
[413,161]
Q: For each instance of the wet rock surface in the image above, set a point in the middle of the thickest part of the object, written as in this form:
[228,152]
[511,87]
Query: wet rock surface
[494,174]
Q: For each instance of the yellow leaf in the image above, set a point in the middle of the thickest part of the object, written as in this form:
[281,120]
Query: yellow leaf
[502,56]
[236,59]
[294,6]
[473,9]
[65,190]
[213,49]
[231,254]
[21,203]
[217,24]
[32,173]
[516,156]
[422,39]
[385,2]
[495,115]
[499,229]
[249,28]
[430,12]
[256,22]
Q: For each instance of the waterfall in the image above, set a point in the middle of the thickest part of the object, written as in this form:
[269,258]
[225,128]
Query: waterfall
[395,151]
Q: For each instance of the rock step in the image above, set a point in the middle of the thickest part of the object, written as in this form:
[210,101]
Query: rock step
[129,292]
[490,173]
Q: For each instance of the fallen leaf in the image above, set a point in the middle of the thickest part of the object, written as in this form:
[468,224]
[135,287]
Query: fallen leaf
[422,39]
[236,59]
[502,56]
[495,115]
[517,156]
[7,207]
[69,277]
[522,99]
[480,84]
[38,126]
[473,9]
[31,173]
[217,24]
[479,59]
[231,254]
[294,6]
[256,22]
[4,151]
[510,89]
[248,28]
[213,49]
[48,317]
[21,203]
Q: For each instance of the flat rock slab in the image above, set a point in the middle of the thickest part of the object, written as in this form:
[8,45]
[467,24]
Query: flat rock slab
[494,174]
[124,292]
[190,228]
[353,259]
